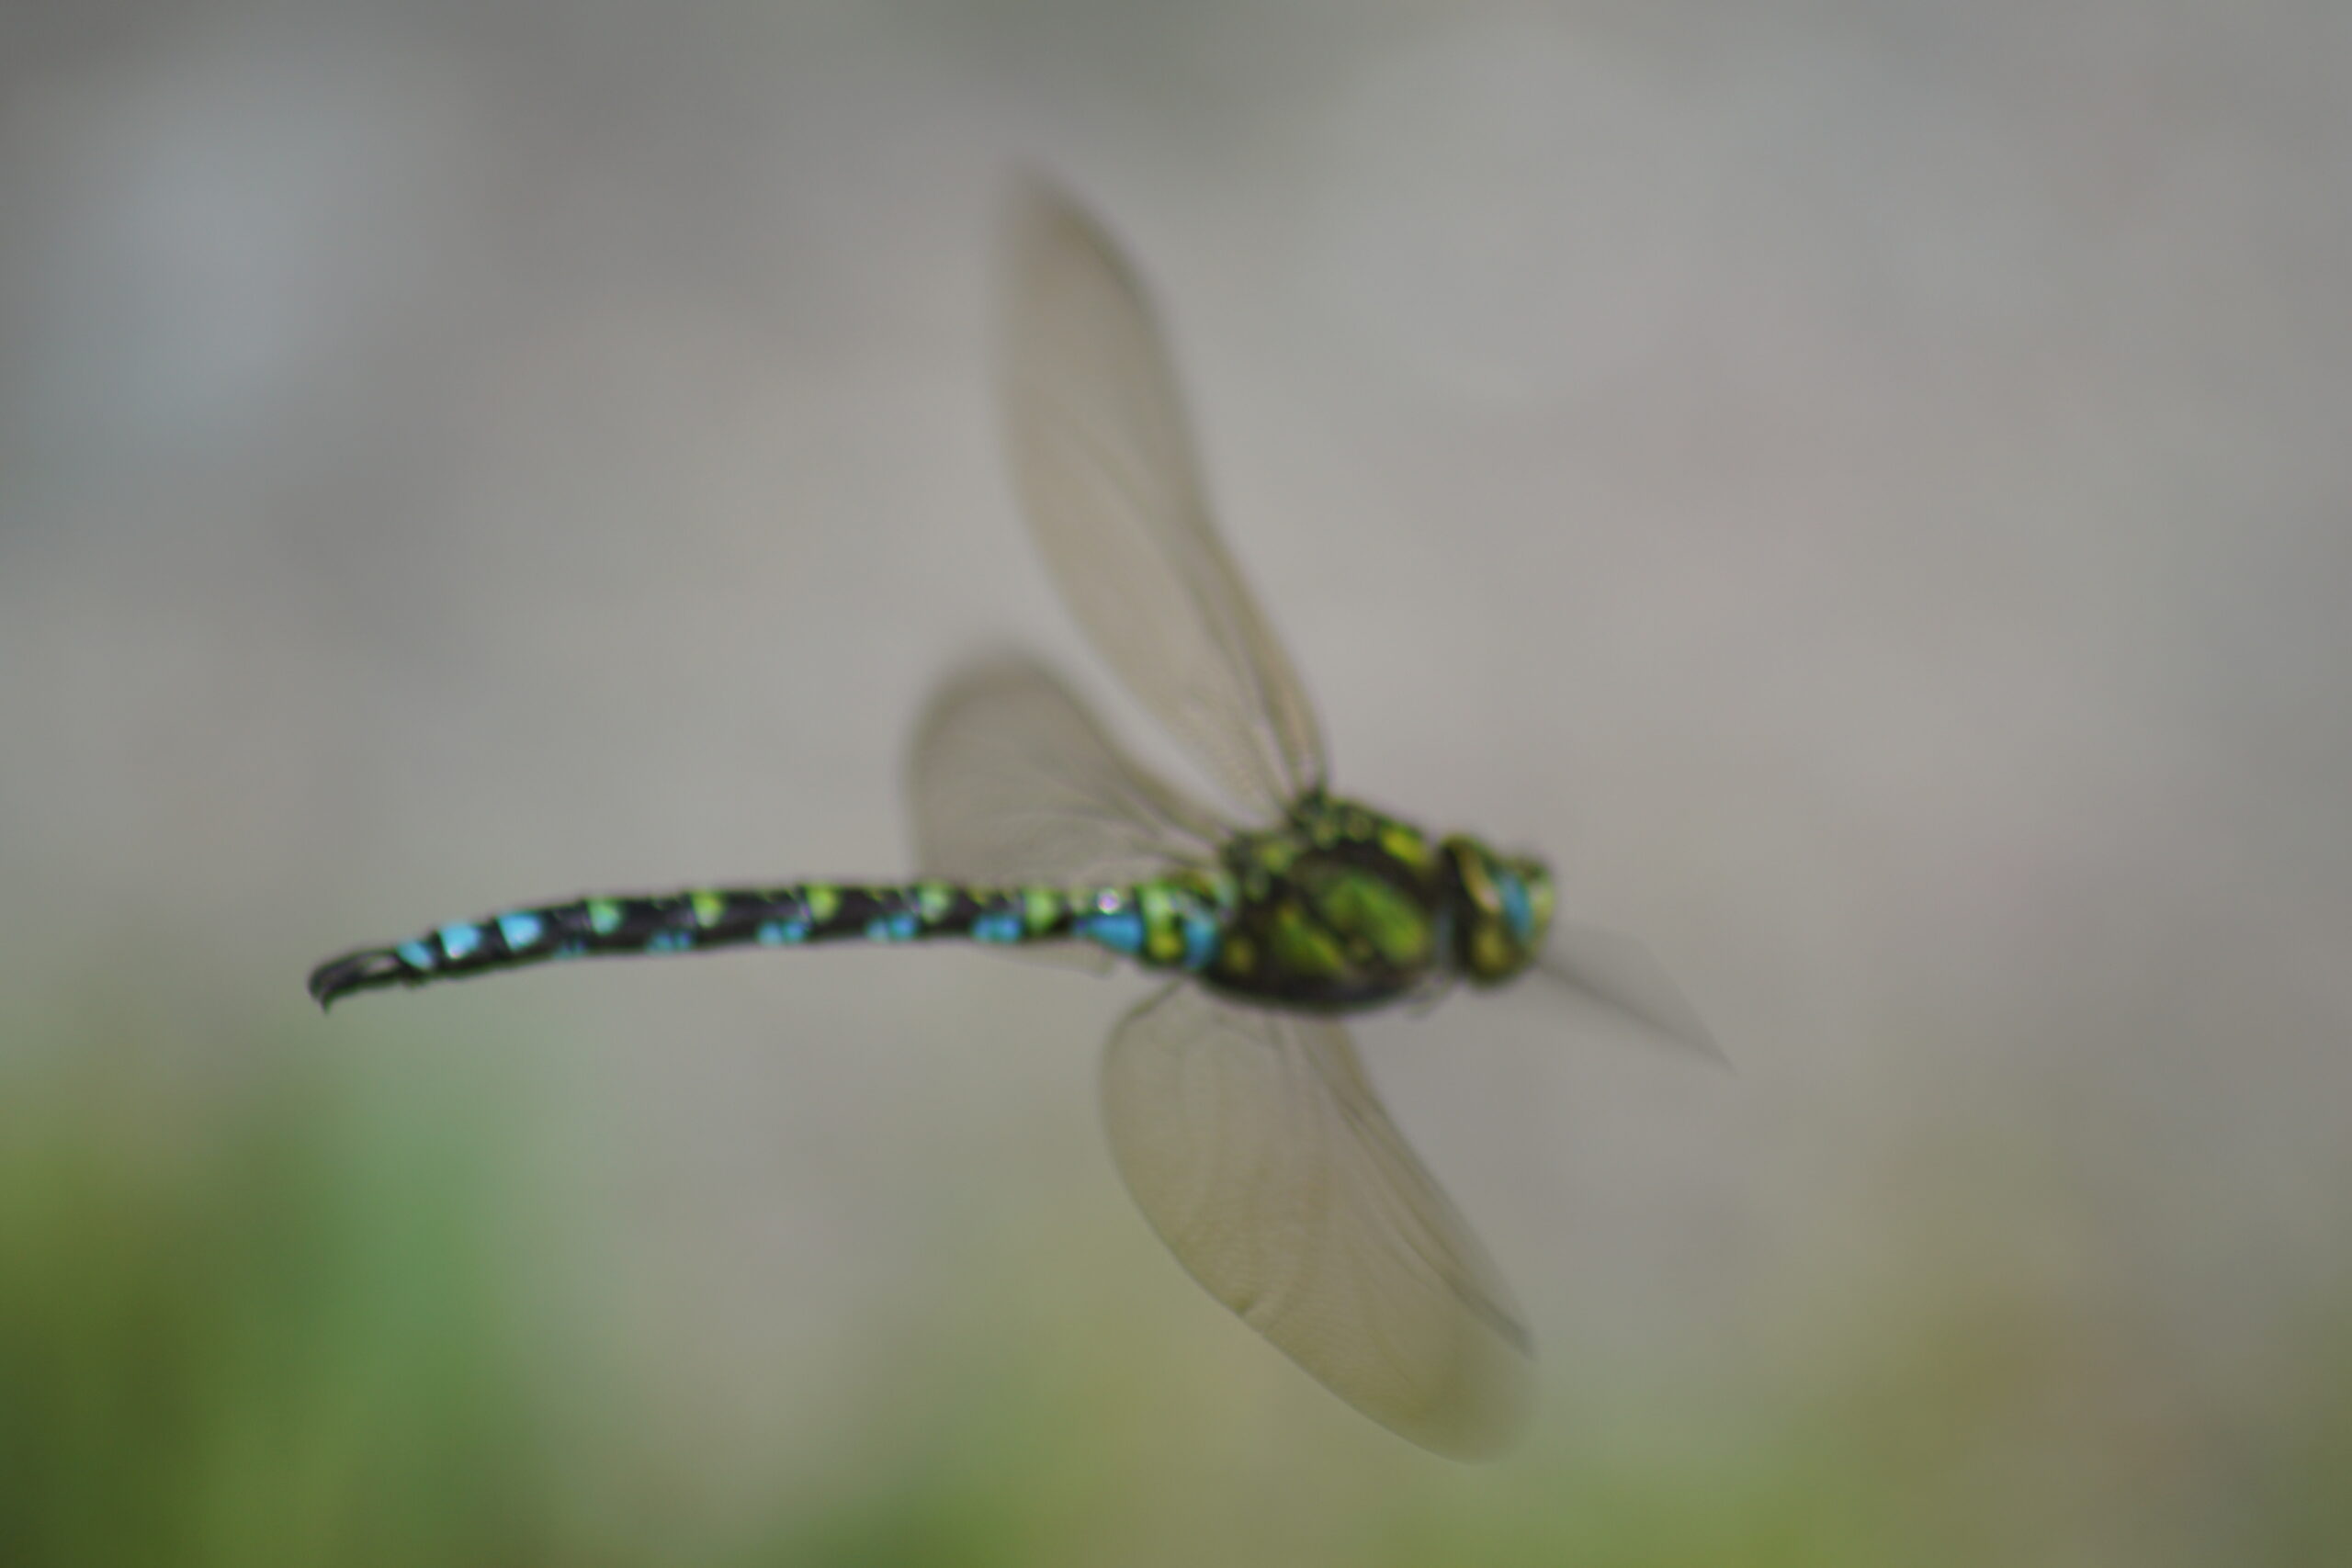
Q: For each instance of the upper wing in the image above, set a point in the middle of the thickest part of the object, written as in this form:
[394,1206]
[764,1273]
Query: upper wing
[1104,459]
[1255,1145]
[1011,781]
[1618,972]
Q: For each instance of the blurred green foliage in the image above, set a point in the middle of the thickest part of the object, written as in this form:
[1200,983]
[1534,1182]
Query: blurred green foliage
[287,1317]
[254,1322]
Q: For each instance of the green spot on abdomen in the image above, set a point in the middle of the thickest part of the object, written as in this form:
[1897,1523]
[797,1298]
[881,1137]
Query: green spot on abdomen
[1163,933]
[934,899]
[1040,908]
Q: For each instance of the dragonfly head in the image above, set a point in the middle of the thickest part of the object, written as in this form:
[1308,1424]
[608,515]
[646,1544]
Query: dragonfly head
[1502,907]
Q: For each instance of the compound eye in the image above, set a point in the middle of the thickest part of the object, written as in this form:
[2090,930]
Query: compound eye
[1519,918]
[1500,914]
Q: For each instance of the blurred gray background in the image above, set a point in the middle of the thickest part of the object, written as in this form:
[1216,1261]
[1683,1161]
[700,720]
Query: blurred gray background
[1864,487]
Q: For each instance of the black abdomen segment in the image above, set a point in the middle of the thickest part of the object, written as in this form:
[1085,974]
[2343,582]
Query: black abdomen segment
[698,920]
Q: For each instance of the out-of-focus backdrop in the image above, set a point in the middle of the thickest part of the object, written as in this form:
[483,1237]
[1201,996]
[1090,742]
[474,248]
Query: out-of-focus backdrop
[1864,487]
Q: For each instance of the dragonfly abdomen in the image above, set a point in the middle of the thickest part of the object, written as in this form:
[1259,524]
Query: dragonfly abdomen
[1161,924]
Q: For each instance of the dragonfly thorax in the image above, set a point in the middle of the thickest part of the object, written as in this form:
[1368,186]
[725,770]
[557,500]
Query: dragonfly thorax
[1342,908]
[1337,908]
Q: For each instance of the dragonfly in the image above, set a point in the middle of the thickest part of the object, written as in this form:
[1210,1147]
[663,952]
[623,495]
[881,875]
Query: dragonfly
[1238,1110]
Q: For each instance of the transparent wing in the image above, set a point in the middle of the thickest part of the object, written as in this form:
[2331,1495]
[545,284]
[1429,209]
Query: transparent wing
[1011,781]
[1102,456]
[1255,1147]
[1618,975]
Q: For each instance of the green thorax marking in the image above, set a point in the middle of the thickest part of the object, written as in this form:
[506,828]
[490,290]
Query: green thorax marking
[1340,908]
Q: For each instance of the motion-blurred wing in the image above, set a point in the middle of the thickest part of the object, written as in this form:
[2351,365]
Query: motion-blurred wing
[1011,781]
[1617,974]
[1104,459]
[1258,1150]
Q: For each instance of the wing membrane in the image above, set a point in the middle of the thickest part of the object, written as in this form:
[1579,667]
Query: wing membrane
[1013,781]
[1254,1143]
[1617,974]
[1102,456]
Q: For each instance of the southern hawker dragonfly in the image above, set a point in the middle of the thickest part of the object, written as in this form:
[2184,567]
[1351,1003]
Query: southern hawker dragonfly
[1238,1111]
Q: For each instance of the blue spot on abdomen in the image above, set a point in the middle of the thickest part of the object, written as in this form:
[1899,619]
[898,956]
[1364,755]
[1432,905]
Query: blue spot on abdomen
[520,930]
[459,940]
[997,925]
[1201,937]
[1122,933]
